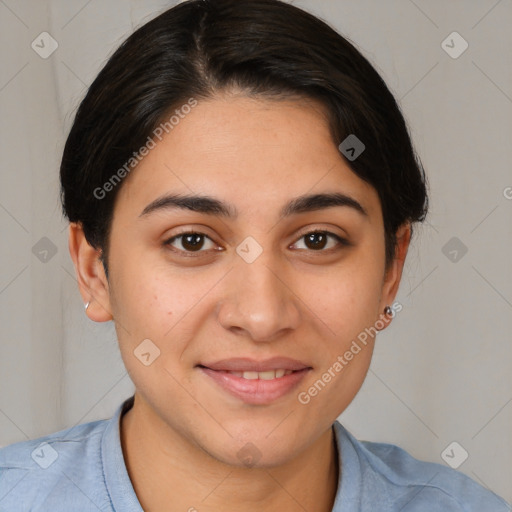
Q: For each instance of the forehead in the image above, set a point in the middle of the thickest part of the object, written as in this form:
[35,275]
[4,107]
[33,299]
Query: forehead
[249,152]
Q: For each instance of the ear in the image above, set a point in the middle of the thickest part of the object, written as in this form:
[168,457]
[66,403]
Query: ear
[92,281]
[393,275]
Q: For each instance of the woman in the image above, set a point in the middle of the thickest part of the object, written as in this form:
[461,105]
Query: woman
[241,189]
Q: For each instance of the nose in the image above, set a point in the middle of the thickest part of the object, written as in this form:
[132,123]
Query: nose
[258,302]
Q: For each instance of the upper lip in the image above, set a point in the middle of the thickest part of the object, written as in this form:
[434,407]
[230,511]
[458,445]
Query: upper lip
[245,364]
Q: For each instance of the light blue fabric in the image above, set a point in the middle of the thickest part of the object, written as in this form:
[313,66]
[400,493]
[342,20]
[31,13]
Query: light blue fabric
[82,469]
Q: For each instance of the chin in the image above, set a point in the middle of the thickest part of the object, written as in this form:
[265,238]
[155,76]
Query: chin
[256,446]
[252,455]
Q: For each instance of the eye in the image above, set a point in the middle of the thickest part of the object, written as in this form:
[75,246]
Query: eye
[319,241]
[191,241]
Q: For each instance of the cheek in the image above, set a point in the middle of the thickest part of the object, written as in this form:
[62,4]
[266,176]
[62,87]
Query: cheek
[345,306]
[152,306]
[345,299]
[148,328]
[158,302]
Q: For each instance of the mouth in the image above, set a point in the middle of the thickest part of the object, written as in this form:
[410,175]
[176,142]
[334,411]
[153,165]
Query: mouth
[251,375]
[256,382]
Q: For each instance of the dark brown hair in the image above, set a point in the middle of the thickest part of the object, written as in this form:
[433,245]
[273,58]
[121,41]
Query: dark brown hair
[266,48]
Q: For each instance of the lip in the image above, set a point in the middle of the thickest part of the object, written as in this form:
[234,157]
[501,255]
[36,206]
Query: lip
[256,391]
[241,364]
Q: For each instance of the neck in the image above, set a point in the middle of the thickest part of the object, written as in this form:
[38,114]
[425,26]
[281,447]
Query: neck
[169,473]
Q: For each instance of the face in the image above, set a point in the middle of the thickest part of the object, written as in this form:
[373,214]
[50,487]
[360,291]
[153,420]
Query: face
[263,282]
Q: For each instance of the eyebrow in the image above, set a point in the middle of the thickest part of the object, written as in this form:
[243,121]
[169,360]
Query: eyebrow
[212,206]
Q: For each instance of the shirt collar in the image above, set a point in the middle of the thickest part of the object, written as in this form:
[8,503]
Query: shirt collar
[115,474]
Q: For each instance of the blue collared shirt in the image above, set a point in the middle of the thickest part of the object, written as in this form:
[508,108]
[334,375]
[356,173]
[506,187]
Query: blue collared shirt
[82,469]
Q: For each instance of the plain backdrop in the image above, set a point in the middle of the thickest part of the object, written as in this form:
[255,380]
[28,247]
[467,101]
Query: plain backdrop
[441,373]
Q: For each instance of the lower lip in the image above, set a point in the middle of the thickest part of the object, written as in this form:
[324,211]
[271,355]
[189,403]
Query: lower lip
[256,391]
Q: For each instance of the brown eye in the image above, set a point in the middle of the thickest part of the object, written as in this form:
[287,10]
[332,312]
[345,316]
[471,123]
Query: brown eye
[190,242]
[316,240]
[319,240]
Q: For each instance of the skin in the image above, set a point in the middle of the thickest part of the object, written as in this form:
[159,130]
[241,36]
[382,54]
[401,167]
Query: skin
[181,438]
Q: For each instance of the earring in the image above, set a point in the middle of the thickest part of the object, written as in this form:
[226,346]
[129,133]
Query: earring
[87,305]
[388,311]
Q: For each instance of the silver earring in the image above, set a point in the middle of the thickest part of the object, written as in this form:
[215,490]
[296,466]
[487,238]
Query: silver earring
[87,305]
[388,311]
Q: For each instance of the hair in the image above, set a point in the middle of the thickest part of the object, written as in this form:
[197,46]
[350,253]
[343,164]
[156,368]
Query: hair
[264,48]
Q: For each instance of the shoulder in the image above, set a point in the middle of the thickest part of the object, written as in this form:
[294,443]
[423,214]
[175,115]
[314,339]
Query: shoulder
[43,470]
[45,450]
[415,485]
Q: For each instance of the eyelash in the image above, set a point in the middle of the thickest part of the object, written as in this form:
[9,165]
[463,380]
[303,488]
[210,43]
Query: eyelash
[341,241]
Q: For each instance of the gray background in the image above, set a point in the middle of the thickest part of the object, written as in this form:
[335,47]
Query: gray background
[440,373]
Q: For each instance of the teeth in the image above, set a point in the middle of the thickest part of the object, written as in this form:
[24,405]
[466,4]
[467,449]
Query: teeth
[268,375]
[271,374]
